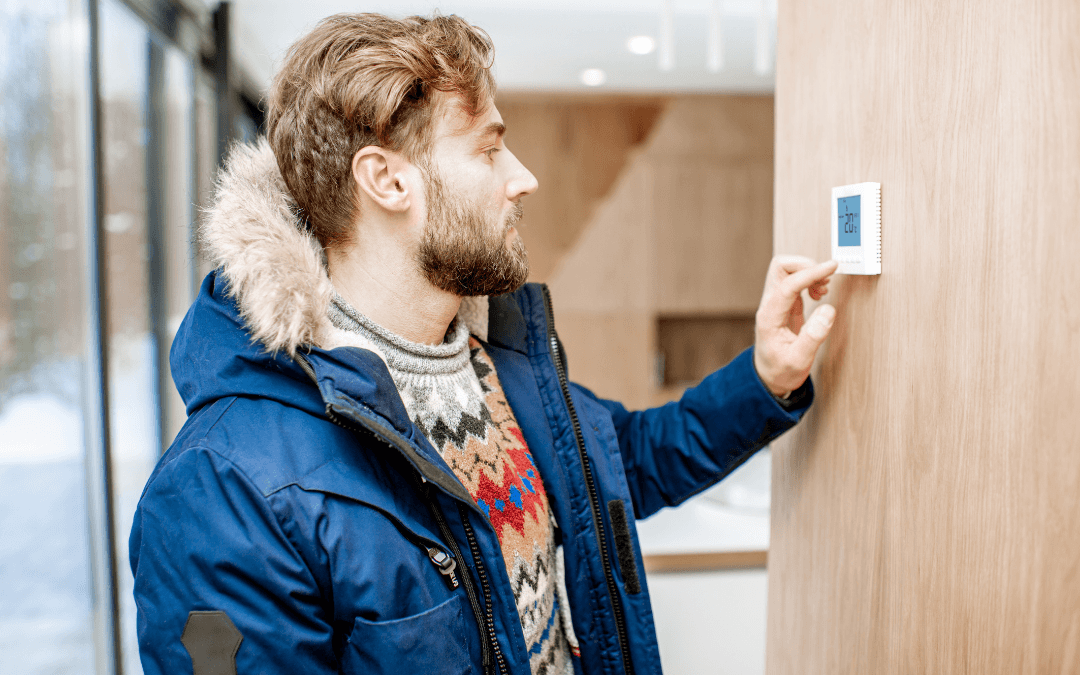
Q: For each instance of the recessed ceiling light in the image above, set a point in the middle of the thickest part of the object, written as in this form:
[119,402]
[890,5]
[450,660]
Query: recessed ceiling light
[641,44]
[593,77]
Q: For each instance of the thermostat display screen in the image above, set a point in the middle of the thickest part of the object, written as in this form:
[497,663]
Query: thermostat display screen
[848,209]
[855,219]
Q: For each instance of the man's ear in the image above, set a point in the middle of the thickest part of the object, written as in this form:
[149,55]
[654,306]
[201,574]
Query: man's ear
[381,174]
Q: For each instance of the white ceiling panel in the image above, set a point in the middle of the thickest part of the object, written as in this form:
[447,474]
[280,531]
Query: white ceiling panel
[544,45]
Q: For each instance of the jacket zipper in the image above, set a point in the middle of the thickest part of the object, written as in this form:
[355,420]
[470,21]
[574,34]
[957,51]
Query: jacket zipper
[491,655]
[590,484]
[446,564]
[489,647]
[481,571]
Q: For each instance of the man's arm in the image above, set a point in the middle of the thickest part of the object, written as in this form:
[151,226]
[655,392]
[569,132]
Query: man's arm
[673,452]
[217,580]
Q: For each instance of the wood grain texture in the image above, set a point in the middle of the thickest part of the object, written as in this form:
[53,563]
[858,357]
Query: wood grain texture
[668,563]
[612,353]
[713,162]
[925,513]
[684,229]
[611,266]
[694,346]
[709,212]
[576,146]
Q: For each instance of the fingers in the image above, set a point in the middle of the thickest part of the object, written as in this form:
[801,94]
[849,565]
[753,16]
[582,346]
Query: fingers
[799,281]
[783,265]
[779,298]
[813,333]
[788,277]
[818,290]
[790,263]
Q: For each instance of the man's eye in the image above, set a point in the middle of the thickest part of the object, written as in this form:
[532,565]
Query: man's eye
[491,151]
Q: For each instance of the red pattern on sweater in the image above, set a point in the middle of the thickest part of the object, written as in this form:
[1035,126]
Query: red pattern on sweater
[493,493]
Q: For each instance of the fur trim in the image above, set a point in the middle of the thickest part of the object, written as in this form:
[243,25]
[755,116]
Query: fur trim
[273,268]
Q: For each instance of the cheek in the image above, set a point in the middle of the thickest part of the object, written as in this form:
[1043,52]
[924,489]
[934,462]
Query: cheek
[493,196]
[475,185]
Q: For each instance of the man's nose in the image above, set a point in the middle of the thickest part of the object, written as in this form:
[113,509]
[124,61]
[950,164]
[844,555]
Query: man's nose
[522,182]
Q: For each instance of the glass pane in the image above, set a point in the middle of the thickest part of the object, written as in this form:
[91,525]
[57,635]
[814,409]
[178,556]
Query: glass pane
[133,394]
[179,217]
[206,150]
[46,615]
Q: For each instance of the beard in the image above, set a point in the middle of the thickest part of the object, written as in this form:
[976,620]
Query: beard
[464,250]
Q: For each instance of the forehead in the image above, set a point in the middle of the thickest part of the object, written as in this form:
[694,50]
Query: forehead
[454,124]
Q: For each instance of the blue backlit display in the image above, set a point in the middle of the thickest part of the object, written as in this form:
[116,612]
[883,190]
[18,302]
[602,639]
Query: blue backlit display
[848,224]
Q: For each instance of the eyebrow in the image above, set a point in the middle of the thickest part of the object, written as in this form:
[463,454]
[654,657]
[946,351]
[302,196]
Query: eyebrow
[496,128]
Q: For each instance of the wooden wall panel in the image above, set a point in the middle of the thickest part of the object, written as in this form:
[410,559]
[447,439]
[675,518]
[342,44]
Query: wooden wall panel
[732,128]
[925,513]
[685,230]
[694,346]
[611,267]
[576,146]
[713,160]
[612,353]
[708,213]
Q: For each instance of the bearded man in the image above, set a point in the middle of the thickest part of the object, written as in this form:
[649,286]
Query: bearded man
[385,468]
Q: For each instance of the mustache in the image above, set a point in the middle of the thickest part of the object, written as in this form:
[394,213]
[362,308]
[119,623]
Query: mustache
[514,216]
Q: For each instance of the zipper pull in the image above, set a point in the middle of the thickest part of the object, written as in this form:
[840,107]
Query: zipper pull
[446,565]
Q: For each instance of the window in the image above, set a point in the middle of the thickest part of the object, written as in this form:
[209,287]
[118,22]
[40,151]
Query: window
[157,149]
[47,616]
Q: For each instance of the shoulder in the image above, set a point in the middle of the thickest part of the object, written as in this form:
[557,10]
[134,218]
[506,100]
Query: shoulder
[261,441]
[250,475]
[260,450]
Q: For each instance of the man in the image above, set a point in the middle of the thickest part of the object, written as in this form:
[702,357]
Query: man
[385,468]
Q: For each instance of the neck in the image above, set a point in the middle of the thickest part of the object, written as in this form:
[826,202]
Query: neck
[382,283]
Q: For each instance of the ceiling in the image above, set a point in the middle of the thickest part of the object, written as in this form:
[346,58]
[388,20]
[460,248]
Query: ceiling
[545,45]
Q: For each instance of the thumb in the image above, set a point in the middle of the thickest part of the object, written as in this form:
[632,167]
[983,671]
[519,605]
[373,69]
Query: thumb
[814,332]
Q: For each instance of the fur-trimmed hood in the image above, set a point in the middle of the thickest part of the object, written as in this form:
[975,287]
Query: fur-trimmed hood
[274,269]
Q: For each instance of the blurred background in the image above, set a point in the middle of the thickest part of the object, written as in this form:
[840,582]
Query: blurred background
[649,125]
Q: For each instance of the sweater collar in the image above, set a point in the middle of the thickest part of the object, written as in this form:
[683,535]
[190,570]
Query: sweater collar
[404,355]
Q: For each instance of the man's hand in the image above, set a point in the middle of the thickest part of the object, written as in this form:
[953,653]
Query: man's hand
[784,348]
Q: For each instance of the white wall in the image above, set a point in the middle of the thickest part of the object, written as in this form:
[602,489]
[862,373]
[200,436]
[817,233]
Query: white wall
[711,623]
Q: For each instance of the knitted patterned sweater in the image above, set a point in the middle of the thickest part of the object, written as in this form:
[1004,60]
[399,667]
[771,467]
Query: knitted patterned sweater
[453,395]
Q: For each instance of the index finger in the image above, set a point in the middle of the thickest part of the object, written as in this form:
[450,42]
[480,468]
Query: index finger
[799,281]
[789,264]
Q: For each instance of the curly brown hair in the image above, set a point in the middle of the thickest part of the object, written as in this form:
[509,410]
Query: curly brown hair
[366,79]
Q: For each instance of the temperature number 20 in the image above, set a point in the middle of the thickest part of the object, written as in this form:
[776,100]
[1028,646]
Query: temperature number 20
[848,222]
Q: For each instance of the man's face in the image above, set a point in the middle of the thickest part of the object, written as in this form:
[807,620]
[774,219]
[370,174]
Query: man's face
[470,245]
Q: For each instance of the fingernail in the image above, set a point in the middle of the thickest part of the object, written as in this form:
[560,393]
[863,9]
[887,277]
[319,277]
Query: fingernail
[821,322]
[828,314]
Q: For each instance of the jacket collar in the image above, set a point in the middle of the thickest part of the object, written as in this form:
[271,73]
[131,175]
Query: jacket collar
[263,314]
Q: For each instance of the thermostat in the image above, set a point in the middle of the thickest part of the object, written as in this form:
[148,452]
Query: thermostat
[856,228]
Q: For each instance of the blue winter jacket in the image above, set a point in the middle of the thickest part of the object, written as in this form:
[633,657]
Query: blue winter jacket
[300,523]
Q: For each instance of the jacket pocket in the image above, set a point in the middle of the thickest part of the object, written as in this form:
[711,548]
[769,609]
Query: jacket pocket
[430,642]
